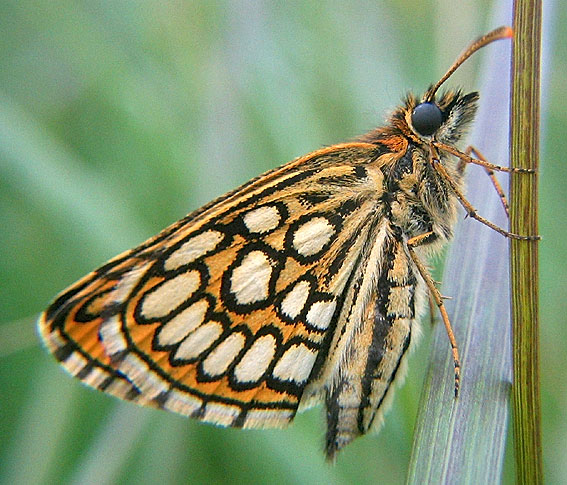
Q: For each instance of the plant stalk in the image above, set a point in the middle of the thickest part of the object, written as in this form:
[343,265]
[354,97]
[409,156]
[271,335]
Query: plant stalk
[525,111]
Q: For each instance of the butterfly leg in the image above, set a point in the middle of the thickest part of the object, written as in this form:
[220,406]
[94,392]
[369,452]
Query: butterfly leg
[466,158]
[433,305]
[490,172]
[438,299]
[471,211]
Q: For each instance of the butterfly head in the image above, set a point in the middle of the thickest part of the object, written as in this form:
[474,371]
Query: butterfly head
[444,119]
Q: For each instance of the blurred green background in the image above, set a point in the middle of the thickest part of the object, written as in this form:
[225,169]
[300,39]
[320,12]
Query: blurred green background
[119,117]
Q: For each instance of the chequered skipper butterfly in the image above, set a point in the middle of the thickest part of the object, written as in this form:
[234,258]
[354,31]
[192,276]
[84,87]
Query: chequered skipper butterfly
[303,285]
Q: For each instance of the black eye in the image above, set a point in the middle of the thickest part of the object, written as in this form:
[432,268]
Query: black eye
[426,118]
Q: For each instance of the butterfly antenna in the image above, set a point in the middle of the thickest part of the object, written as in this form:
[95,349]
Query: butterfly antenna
[504,32]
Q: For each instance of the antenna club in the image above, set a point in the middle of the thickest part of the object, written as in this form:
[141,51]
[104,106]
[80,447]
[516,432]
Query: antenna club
[507,32]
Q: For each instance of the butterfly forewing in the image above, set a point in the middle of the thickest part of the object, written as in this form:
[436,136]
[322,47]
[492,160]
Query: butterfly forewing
[229,314]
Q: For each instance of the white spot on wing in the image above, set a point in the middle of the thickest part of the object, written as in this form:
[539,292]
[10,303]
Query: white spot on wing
[320,314]
[182,403]
[181,325]
[120,292]
[119,388]
[295,300]
[311,237]
[111,336]
[200,340]
[96,377]
[127,282]
[256,359]
[268,418]
[263,219]
[250,281]
[219,359]
[53,338]
[75,363]
[146,380]
[295,364]
[193,249]
[169,295]
[219,413]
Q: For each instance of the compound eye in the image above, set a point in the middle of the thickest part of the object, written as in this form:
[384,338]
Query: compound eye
[426,118]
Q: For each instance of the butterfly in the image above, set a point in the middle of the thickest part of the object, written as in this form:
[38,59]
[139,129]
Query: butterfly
[304,285]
